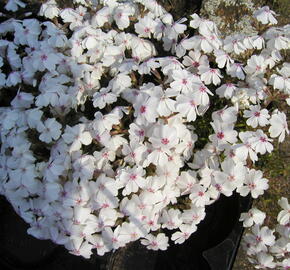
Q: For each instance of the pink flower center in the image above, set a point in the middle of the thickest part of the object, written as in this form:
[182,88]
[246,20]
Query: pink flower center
[184,81]
[263,139]
[202,89]
[143,109]
[146,29]
[164,141]
[220,135]
[133,177]
[257,114]
[43,57]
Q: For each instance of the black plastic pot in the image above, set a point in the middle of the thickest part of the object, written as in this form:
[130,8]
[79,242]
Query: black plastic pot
[212,247]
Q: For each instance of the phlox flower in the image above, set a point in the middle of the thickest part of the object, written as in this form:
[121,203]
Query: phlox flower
[45,60]
[103,97]
[76,136]
[73,16]
[231,176]
[50,130]
[145,27]
[262,237]
[236,70]
[234,44]
[49,9]
[223,59]
[186,105]
[75,194]
[121,15]
[12,5]
[79,247]
[137,132]
[257,116]
[253,216]
[131,179]
[226,115]
[210,75]
[164,137]
[145,109]
[245,149]
[199,195]
[255,65]
[146,66]
[265,15]
[284,215]
[201,93]
[224,133]
[155,242]
[102,123]
[131,231]
[226,90]
[13,78]
[254,184]
[281,82]
[194,60]
[83,167]
[256,42]
[142,49]
[185,232]
[205,27]
[22,100]
[97,243]
[134,152]
[185,181]
[177,28]
[182,81]
[194,215]
[171,219]
[261,143]
[263,260]
[53,170]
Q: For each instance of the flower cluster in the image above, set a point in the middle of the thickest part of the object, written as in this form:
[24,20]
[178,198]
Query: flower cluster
[101,143]
[265,249]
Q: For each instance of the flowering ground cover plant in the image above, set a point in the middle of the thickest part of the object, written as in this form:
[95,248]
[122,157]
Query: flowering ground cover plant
[119,123]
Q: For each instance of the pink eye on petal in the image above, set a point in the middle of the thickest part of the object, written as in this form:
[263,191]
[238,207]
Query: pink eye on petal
[184,81]
[142,109]
[164,141]
[257,114]
[220,135]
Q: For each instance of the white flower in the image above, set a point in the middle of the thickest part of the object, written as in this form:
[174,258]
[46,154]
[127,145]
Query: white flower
[49,9]
[12,5]
[257,116]
[210,75]
[226,90]
[261,143]
[131,179]
[164,137]
[278,126]
[155,242]
[253,216]
[263,261]
[104,97]
[284,215]
[265,15]
[76,136]
[171,219]
[185,232]
[254,184]
[50,130]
